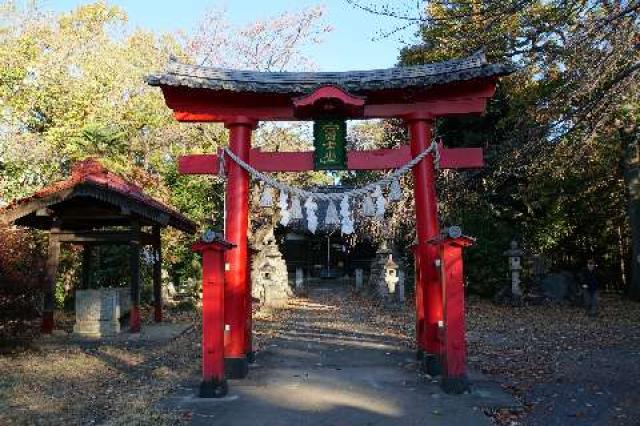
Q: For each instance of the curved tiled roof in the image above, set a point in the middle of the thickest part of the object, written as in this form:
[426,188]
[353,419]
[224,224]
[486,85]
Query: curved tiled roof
[194,76]
[90,180]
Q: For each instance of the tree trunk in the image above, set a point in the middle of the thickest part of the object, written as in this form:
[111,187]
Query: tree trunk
[632,184]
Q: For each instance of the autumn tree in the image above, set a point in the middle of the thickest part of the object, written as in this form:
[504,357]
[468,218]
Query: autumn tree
[556,132]
[72,85]
[275,44]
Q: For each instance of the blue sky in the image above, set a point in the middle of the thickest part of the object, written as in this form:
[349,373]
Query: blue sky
[349,46]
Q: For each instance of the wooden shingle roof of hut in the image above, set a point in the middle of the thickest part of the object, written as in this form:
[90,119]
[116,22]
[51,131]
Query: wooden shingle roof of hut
[97,196]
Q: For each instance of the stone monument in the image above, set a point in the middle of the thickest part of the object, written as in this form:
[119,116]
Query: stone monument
[359,279]
[376,284]
[97,312]
[269,277]
[400,287]
[391,276]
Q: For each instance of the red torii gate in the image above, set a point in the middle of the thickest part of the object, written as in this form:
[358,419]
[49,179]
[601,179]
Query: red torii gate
[240,99]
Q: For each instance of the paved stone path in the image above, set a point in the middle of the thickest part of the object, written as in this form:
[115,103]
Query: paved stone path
[329,366]
[599,388]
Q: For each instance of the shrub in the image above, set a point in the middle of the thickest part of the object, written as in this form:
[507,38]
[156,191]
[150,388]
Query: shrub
[22,277]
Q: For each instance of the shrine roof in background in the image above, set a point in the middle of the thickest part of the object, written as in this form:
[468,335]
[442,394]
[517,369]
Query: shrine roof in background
[357,82]
[92,197]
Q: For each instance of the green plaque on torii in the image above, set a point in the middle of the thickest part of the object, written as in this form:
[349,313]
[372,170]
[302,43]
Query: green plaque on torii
[329,137]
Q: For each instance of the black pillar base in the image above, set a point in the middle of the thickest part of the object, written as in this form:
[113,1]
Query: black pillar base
[431,364]
[419,354]
[455,385]
[213,388]
[251,357]
[236,368]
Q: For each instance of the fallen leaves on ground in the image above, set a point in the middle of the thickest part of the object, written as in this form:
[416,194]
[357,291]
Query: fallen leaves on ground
[524,348]
[533,350]
[100,383]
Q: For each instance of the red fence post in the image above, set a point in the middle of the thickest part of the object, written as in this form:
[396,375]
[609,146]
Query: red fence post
[236,231]
[453,331]
[213,383]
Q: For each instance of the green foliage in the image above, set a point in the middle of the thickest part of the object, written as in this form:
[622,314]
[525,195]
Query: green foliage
[72,86]
[554,175]
[97,141]
[485,264]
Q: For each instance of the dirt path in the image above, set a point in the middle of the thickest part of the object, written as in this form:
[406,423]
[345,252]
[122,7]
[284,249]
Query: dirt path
[334,360]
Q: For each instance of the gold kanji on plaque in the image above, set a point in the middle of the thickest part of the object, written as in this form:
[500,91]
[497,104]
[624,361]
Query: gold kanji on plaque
[329,140]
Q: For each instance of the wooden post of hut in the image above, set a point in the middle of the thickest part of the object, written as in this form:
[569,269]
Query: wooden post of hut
[157,275]
[53,258]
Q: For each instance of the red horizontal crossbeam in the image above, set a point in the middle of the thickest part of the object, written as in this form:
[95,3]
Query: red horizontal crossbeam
[381,159]
[281,161]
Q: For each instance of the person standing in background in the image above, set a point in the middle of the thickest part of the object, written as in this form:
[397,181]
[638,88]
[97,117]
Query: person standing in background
[590,286]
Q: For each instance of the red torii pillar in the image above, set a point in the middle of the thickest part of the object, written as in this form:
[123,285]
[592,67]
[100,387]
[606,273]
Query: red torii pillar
[428,290]
[237,281]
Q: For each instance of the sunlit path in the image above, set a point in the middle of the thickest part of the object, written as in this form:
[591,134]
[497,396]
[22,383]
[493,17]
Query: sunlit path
[333,359]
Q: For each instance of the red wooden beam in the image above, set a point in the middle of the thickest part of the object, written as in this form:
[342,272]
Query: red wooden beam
[197,105]
[379,159]
[328,92]
[438,108]
[281,161]
[387,159]
[328,99]
[199,164]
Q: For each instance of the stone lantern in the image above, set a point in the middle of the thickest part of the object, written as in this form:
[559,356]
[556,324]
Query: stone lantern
[269,278]
[391,276]
[514,254]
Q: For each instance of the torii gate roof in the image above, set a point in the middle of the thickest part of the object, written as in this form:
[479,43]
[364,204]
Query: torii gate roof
[356,82]
[198,93]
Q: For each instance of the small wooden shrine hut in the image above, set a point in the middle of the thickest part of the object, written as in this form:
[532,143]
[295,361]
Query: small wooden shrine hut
[94,207]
